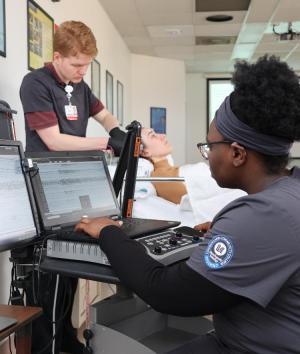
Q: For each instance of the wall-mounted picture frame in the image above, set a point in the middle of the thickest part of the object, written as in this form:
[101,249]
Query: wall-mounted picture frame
[40,28]
[109,92]
[120,102]
[158,119]
[96,78]
[2,29]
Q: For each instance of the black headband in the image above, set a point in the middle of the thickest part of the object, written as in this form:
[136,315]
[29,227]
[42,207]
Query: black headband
[234,129]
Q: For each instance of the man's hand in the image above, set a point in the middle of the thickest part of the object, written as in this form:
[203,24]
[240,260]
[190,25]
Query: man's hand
[93,227]
[203,227]
[116,140]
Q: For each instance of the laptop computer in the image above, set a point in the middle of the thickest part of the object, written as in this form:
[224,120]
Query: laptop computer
[70,185]
[18,218]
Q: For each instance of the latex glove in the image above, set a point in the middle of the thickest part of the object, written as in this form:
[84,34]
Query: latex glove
[116,140]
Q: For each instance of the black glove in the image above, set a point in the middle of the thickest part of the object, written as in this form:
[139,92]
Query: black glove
[116,140]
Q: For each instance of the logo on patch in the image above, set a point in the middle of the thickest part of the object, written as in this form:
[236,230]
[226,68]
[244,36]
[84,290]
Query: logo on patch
[219,252]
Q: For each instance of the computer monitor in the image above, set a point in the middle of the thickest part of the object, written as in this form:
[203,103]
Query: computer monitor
[17,209]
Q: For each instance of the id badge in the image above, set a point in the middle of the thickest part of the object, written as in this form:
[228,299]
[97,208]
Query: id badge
[71,112]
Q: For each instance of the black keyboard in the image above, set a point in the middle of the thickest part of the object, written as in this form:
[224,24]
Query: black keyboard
[71,235]
[129,223]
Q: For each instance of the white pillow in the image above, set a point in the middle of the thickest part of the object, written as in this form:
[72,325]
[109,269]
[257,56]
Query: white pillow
[145,167]
[143,189]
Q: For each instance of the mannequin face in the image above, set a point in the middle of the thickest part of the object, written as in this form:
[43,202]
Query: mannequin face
[154,145]
[72,68]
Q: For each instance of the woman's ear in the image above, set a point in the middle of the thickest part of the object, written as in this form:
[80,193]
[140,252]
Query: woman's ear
[239,154]
[144,153]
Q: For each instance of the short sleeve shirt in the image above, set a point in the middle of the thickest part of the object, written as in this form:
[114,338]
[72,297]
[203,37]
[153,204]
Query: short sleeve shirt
[253,250]
[44,99]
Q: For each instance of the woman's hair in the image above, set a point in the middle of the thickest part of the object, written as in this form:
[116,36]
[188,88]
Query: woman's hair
[267,98]
[73,37]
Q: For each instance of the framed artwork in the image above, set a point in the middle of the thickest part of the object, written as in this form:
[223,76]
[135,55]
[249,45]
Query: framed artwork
[158,118]
[40,27]
[2,29]
[109,91]
[120,102]
[96,78]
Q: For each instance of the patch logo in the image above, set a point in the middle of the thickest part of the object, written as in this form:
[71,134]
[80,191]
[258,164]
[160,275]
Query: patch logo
[218,252]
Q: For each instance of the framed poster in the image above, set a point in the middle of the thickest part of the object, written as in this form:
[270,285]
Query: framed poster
[158,118]
[2,29]
[109,91]
[96,78]
[40,27]
[120,102]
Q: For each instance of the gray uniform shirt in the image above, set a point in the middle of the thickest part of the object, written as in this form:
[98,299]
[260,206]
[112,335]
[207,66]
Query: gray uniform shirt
[254,251]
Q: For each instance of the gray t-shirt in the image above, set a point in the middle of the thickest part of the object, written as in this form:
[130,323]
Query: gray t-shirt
[44,99]
[254,251]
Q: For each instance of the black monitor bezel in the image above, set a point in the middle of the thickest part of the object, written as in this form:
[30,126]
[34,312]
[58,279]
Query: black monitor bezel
[35,157]
[22,243]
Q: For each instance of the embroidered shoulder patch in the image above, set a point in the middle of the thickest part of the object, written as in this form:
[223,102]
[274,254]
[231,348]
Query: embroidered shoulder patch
[218,252]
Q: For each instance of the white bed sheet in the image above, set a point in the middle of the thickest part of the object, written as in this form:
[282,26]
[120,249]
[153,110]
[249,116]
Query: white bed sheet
[154,207]
[204,199]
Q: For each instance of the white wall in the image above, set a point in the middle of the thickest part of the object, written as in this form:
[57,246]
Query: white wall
[161,83]
[195,115]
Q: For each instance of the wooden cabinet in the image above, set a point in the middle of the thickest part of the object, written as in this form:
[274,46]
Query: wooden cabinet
[22,328]
[97,291]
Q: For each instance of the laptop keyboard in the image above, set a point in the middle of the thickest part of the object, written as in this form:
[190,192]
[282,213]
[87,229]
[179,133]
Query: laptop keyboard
[129,223]
[130,226]
[71,235]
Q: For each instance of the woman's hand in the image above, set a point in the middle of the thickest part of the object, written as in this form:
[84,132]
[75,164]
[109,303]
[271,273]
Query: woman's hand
[203,227]
[94,226]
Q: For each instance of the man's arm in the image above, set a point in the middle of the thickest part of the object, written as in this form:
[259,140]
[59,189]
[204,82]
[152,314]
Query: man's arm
[106,119]
[57,141]
[111,124]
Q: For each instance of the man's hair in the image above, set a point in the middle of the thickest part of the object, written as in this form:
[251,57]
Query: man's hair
[73,37]
[267,98]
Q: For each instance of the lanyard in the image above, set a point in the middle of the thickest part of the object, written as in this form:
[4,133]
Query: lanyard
[69,90]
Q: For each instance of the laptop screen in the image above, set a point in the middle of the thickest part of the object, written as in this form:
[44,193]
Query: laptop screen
[72,186]
[17,221]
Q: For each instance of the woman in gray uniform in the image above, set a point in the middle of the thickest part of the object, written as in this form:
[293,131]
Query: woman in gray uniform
[247,273]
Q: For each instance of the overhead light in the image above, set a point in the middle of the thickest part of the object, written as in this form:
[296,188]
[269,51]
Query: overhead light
[219,18]
[289,35]
[174,32]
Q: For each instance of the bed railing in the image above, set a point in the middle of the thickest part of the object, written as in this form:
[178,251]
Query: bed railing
[160,179]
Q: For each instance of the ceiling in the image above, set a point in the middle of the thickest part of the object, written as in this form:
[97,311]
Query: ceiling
[169,29]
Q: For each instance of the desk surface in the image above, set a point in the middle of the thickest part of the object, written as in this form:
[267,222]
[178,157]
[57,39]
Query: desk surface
[23,315]
[78,269]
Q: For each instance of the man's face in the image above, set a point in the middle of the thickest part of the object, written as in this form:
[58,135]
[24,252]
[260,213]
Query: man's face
[155,145]
[72,68]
